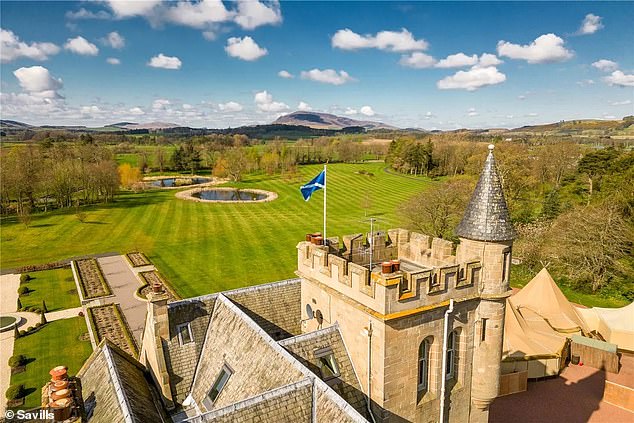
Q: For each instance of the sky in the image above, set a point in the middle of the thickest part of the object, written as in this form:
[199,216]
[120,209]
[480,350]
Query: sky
[431,65]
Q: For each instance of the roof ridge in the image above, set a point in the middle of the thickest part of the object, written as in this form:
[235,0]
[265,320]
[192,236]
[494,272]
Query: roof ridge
[309,335]
[273,393]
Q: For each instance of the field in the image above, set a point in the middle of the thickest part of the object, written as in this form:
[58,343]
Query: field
[202,248]
[55,344]
[56,287]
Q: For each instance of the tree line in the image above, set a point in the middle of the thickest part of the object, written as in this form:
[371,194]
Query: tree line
[63,175]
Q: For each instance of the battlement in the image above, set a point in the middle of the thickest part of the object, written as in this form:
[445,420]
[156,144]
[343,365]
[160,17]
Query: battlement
[422,270]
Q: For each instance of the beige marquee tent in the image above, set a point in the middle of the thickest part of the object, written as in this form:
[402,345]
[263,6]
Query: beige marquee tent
[615,325]
[538,322]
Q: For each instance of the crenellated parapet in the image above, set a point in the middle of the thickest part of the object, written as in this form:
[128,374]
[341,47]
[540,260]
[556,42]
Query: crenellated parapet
[394,272]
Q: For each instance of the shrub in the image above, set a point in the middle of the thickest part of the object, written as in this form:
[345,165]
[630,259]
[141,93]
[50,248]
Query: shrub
[19,304]
[23,290]
[30,328]
[15,392]
[25,277]
[44,308]
[43,318]
[80,314]
[22,332]
[17,360]
[38,324]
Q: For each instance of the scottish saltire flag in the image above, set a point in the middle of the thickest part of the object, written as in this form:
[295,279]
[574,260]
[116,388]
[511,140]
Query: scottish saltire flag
[318,182]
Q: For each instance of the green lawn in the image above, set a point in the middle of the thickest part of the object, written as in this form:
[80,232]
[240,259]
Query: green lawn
[55,344]
[56,287]
[203,248]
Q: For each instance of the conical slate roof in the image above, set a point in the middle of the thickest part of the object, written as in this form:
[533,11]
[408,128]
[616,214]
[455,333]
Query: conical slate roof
[487,216]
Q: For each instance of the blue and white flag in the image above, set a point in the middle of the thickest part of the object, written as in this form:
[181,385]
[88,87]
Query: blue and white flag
[318,182]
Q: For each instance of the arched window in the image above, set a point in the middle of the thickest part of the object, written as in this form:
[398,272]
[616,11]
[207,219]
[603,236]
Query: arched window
[423,364]
[451,355]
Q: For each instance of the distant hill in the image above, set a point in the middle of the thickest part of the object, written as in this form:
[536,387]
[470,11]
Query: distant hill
[12,124]
[327,121]
[148,125]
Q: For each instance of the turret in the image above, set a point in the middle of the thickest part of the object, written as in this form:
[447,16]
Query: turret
[486,234]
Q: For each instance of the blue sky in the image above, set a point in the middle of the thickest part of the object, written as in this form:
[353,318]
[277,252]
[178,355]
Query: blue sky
[434,65]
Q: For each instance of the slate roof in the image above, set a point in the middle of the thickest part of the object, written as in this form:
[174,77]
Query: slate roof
[116,388]
[487,217]
[304,347]
[181,359]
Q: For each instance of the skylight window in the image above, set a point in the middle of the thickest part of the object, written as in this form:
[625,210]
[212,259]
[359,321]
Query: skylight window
[328,366]
[184,333]
[219,384]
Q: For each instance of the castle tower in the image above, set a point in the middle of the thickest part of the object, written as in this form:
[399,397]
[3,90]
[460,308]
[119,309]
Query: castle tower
[422,325]
[486,232]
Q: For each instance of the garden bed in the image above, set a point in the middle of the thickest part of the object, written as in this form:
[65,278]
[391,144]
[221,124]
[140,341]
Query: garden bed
[153,277]
[91,279]
[137,259]
[107,321]
[56,287]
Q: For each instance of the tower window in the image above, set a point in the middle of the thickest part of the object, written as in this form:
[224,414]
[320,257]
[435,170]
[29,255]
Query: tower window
[506,262]
[475,275]
[483,329]
[423,364]
[451,355]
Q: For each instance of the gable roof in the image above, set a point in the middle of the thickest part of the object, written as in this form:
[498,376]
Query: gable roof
[487,216]
[116,387]
[303,347]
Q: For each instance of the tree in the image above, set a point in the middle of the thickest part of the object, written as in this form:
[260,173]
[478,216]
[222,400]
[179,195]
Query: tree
[438,210]
[19,304]
[44,308]
[587,243]
[594,165]
[160,158]
[24,215]
[236,163]
[552,205]
[129,175]
[43,320]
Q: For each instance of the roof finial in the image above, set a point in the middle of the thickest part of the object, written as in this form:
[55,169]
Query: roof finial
[491,147]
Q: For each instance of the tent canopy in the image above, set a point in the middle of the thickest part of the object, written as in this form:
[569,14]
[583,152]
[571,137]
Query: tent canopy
[615,325]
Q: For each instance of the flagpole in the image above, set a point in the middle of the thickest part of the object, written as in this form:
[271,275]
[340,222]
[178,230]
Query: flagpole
[325,185]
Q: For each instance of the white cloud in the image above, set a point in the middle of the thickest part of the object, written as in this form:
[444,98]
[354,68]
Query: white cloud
[137,111]
[532,114]
[114,40]
[199,14]
[252,14]
[90,110]
[285,74]
[605,65]
[350,111]
[264,102]
[471,80]
[417,60]
[546,48]
[488,59]
[585,82]
[165,62]
[80,45]
[113,61]
[160,104]
[591,24]
[608,116]
[37,81]
[472,112]
[429,115]
[366,111]
[521,97]
[402,41]
[209,35]
[186,106]
[126,8]
[327,76]
[83,13]
[304,107]
[620,79]
[244,48]
[457,60]
[230,107]
[621,103]
[11,48]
